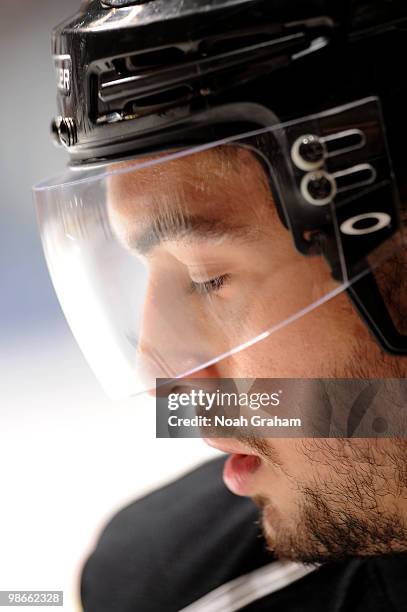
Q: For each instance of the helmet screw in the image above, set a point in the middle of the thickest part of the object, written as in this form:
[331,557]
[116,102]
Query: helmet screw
[318,188]
[308,152]
[64,131]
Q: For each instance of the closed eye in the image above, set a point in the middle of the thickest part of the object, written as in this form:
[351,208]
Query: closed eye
[213,285]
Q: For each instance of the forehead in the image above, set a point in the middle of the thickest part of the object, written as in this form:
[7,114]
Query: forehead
[228,180]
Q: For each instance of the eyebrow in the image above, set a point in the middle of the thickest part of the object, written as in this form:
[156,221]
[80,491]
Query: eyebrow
[178,226]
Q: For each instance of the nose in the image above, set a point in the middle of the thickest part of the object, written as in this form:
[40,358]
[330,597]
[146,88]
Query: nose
[172,339]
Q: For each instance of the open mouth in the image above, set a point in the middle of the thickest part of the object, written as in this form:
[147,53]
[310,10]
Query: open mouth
[240,467]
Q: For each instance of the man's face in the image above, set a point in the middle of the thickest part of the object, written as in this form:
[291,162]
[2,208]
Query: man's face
[222,269]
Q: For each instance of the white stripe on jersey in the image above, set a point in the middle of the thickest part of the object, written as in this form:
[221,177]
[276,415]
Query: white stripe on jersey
[246,589]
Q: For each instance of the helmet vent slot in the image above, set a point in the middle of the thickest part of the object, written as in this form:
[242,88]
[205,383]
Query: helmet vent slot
[162,101]
[179,73]
[154,60]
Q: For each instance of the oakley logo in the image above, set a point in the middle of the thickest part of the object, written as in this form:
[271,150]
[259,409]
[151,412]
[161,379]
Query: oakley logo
[369,223]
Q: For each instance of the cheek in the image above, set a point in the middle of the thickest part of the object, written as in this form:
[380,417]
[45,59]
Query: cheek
[304,348]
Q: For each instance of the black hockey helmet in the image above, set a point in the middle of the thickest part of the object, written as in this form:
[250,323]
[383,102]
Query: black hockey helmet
[314,90]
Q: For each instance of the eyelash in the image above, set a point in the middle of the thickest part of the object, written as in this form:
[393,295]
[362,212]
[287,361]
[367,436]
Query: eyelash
[211,286]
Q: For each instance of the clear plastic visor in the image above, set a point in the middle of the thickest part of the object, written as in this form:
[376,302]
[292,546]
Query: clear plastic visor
[168,264]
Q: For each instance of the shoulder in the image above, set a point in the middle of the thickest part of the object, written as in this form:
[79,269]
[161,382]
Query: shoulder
[173,546]
[178,544]
[198,506]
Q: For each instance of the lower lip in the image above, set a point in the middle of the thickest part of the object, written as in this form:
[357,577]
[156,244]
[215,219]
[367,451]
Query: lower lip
[238,473]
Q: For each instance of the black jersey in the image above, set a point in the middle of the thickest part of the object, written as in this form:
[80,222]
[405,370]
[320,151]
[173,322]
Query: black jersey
[193,546]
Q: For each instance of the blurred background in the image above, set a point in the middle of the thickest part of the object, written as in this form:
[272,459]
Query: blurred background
[69,457]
